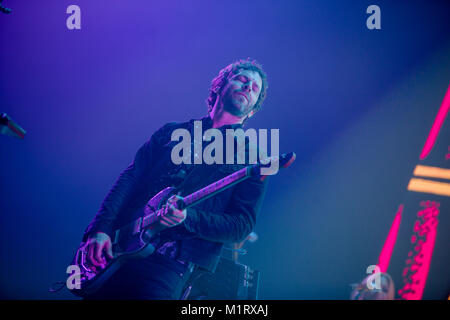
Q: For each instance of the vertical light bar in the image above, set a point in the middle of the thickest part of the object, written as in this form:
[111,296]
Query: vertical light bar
[438,121]
[389,244]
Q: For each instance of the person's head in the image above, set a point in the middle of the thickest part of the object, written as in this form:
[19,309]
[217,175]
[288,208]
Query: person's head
[240,87]
[366,289]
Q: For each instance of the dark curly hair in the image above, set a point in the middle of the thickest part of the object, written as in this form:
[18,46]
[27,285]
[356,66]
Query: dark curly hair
[219,82]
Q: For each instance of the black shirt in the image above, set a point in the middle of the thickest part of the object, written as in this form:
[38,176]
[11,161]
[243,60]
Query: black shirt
[227,217]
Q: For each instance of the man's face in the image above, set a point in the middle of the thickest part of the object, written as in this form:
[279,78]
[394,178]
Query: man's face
[242,92]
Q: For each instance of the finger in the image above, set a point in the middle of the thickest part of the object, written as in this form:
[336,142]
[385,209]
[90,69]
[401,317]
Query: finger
[166,223]
[91,254]
[163,217]
[103,255]
[168,211]
[175,199]
[172,208]
[98,254]
[88,253]
[172,199]
[177,218]
[169,221]
[177,213]
[108,248]
[182,216]
[173,220]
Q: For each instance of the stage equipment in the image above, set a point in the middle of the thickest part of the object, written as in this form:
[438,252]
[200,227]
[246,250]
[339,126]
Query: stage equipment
[9,127]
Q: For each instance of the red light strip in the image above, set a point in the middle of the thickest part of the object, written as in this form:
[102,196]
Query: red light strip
[445,106]
[418,264]
[386,252]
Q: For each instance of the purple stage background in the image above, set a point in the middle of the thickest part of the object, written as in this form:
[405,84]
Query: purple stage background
[354,104]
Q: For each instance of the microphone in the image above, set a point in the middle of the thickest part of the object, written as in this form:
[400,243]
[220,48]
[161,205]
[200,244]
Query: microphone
[4,9]
[9,127]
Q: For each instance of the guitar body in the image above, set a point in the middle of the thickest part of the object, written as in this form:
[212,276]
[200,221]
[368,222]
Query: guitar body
[130,242]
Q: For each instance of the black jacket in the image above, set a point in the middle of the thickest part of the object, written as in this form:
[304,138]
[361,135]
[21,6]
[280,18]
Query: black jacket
[227,217]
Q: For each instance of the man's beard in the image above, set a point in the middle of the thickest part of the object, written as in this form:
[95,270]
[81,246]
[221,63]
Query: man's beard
[235,107]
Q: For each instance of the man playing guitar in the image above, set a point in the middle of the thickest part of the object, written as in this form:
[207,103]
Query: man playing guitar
[192,237]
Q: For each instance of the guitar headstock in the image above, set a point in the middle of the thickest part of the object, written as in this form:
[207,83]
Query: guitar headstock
[286,159]
[283,161]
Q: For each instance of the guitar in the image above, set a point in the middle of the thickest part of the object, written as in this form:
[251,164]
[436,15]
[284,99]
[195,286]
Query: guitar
[134,240]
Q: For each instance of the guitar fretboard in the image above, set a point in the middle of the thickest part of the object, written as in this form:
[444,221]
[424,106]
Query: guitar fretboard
[202,194]
[215,187]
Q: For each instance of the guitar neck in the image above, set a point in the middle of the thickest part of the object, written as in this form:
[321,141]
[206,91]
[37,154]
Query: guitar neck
[204,193]
[216,187]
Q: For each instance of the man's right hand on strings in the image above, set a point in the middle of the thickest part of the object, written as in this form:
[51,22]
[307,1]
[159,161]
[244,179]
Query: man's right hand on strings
[172,216]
